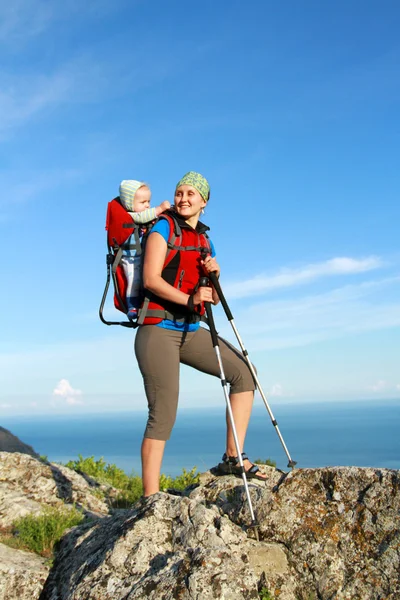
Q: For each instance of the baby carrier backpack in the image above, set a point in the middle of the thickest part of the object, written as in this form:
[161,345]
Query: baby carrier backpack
[123,261]
[126,242]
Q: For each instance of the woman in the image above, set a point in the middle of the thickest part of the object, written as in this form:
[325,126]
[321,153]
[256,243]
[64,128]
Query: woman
[175,336]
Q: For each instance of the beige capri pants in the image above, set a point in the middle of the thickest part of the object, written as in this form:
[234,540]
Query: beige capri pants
[159,353]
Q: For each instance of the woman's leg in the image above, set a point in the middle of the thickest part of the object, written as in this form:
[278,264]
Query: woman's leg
[242,404]
[199,353]
[157,352]
[152,455]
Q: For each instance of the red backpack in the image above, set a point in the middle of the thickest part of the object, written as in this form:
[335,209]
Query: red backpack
[122,235]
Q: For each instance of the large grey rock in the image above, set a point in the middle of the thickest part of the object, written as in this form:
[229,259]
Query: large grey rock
[26,484]
[339,528]
[22,574]
[170,548]
[331,534]
[326,534]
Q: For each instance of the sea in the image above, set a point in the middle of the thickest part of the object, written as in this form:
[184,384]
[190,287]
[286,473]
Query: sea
[356,433]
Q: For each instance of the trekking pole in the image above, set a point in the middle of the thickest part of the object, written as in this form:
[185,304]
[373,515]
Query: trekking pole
[217,286]
[214,336]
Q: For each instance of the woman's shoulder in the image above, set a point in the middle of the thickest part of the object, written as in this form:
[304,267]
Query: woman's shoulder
[162,227]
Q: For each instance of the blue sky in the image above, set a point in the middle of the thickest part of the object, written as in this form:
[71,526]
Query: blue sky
[290,109]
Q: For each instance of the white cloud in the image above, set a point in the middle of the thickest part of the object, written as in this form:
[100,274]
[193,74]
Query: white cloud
[66,391]
[5,405]
[26,95]
[276,390]
[292,277]
[305,320]
[398,386]
[49,90]
[22,189]
[17,107]
[88,73]
[379,386]
[72,400]
[22,19]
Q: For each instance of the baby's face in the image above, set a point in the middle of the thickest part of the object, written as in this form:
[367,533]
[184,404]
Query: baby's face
[142,199]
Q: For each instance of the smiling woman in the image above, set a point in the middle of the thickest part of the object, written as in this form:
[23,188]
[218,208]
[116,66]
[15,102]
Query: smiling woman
[170,274]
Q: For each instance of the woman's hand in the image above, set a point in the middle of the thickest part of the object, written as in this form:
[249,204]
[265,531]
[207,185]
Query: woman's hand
[210,265]
[203,294]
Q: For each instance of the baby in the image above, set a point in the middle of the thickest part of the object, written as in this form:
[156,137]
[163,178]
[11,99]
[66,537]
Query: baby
[135,198]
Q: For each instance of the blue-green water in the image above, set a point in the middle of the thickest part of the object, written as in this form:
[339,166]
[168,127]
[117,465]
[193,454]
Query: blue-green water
[324,434]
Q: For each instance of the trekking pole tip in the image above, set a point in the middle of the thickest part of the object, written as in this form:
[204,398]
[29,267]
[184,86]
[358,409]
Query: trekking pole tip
[254,525]
[292,463]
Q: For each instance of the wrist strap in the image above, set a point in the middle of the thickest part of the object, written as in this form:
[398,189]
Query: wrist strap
[192,307]
[190,304]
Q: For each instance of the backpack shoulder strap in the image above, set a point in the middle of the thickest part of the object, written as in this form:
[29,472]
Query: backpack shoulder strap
[175,232]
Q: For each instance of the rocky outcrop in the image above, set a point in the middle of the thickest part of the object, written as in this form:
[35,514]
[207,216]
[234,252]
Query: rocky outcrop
[339,528]
[172,548]
[324,534]
[22,574]
[10,443]
[26,484]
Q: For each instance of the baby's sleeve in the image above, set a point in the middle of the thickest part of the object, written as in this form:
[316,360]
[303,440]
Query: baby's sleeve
[144,217]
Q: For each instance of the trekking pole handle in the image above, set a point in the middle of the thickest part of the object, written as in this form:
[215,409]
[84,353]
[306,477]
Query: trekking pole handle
[203,282]
[218,289]
[214,280]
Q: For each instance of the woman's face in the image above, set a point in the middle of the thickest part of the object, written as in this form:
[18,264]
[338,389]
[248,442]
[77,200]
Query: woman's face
[188,201]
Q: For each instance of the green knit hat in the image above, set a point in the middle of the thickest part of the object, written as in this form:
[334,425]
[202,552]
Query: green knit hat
[197,181]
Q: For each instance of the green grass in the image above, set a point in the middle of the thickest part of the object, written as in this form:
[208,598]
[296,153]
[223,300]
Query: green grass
[129,486]
[267,461]
[39,533]
[264,592]
[8,539]
[181,482]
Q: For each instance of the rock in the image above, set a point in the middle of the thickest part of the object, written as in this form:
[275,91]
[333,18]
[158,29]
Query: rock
[331,534]
[326,534]
[26,484]
[339,528]
[171,547]
[22,574]
[10,443]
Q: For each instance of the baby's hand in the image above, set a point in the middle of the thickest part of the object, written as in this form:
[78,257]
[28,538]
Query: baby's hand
[162,207]
[165,205]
